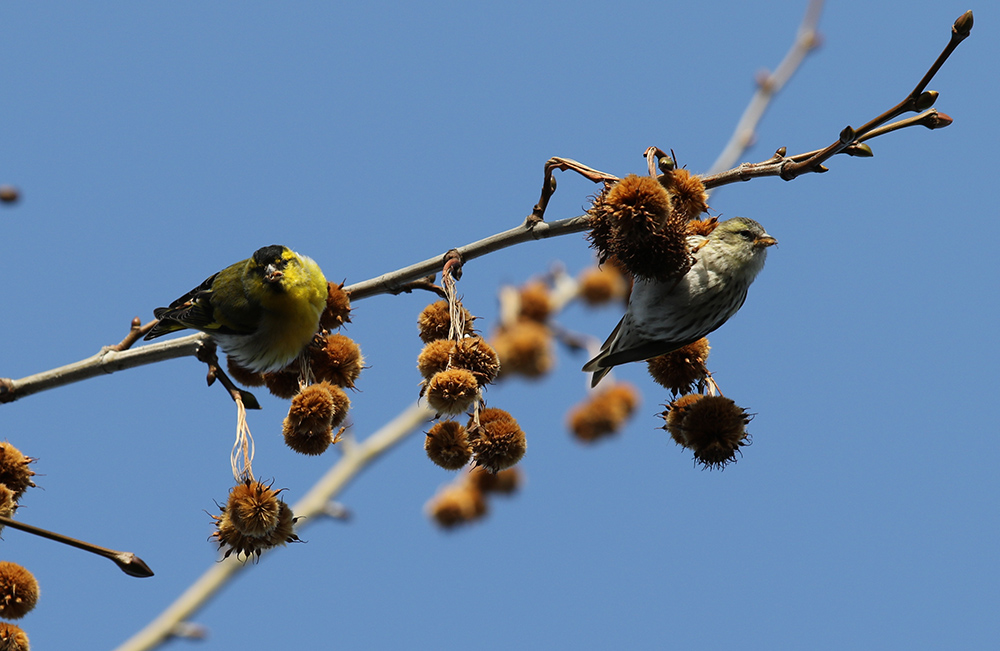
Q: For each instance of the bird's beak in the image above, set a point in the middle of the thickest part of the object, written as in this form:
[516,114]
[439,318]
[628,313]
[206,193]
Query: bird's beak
[272,274]
[764,240]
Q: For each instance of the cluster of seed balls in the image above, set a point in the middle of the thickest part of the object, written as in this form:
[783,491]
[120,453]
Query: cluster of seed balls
[18,586]
[456,365]
[319,407]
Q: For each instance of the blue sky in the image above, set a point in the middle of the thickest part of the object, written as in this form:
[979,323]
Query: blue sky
[155,144]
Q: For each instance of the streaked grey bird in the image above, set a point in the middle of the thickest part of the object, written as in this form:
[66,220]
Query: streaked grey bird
[664,316]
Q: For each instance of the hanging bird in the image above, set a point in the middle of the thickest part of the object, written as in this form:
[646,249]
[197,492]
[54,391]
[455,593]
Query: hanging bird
[664,316]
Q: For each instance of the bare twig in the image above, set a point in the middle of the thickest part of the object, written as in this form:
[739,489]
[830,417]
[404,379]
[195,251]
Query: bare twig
[105,362]
[918,99]
[127,562]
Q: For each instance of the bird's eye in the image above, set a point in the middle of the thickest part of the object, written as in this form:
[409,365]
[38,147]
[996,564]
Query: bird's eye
[747,235]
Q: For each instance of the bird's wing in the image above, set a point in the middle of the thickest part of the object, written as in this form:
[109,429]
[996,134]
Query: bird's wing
[192,310]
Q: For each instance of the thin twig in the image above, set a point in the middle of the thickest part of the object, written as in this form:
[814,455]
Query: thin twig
[127,562]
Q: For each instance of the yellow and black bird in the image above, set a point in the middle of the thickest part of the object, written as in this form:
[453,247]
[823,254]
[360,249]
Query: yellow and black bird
[262,311]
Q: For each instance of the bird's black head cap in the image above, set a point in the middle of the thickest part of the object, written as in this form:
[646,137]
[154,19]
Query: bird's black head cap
[268,254]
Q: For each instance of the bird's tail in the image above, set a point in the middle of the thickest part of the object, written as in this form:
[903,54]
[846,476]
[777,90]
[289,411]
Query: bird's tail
[594,366]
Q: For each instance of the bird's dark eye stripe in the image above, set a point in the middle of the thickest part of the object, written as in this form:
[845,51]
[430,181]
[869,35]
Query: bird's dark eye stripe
[747,235]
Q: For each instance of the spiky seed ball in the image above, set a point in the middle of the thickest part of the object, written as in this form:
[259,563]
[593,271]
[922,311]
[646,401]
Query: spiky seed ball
[604,413]
[524,348]
[338,308]
[497,443]
[634,222]
[14,470]
[477,356]
[447,445]
[244,376]
[18,591]
[253,508]
[455,505]
[246,547]
[714,427]
[715,430]
[687,193]
[675,414]
[284,383]
[680,369]
[536,302]
[312,417]
[434,357]
[12,638]
[452,391]
[435,322]
[600,285]
[338,361]
[505,482]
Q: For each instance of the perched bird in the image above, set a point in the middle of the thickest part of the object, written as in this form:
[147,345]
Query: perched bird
[662,317]
[262,311]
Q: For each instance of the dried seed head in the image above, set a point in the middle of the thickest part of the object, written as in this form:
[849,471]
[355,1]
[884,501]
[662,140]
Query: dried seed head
[244,376]
[680,369]
[435,322]
[452,391]
[284,383]
[312,417]
[497,442]
[434,357]
[600,285]
[524,348]
[604,413]
[228,535]
[338,308]
[536,302]
[634,222]
[12,638]
[338,361]
[447,445]
[712,426]
[477,356]
[14,470]
[253,508]
[18,591]
[455,505]
[687,193]
[505,482]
